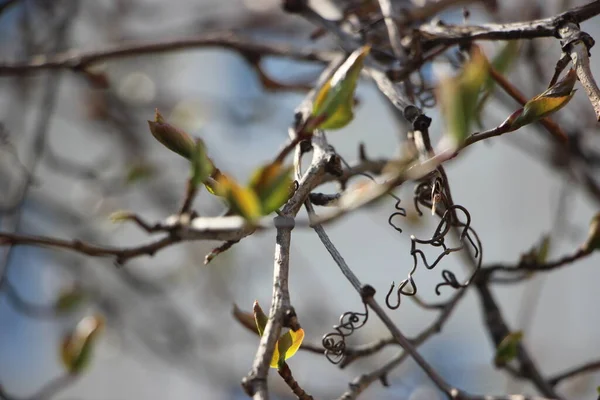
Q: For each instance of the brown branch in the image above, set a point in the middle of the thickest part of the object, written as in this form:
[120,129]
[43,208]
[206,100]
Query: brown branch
[528,266]
[583,369]
[361,383]
[286,373]
[121,254]
[80,60]
[498,330]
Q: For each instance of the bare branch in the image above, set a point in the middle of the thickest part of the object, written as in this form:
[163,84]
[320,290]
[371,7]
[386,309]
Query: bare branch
[432,35]
[577,45]
[80,60]
[583,369]
[498,330]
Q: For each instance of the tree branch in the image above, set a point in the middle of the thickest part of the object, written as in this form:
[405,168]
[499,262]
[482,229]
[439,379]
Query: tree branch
[432,35]
[80,60]
[583,369]
[577,45]
[498,330]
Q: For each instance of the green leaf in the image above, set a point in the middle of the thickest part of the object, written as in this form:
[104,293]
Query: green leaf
[543,250]
[544,104]
[508,348]
[171,137]
[501,64]
[458,97]
[272,185]
[333,105]
[287,345]
[243,201]
[69,300]
[77,347]
[201,166]
[138,172]
[259,317]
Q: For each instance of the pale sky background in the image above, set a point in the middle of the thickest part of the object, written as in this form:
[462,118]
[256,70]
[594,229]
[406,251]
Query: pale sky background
[510,195]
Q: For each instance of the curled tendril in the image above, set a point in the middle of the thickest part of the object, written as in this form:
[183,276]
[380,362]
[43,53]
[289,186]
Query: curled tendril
[400,211]
[429,193]
[335,342]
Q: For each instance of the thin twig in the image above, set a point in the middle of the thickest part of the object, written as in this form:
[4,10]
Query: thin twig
[583,369]
[80,60]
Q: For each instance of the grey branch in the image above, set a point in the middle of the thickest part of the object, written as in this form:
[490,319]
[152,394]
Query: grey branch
[436,34]
[577,44]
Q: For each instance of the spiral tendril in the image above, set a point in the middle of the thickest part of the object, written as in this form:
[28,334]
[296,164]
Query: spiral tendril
[335,342]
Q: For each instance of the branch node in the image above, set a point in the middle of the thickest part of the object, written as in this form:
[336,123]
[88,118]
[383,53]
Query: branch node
[367,292]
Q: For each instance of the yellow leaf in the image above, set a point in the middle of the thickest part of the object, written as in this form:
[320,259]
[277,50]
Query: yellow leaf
[332,108]
[242,201]
[287,345]
[272,185]
[546,103]
[76,349]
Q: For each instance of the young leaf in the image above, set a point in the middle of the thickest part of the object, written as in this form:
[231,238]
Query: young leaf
[333,104]
[272,185]
[543,250]
[242,201]
[201,166]
[546,103]
[259,317]
[76,349]
[287,345]
[458,97]
[593,239]
[171,137]
[508,348]
[138,172]
[69,300]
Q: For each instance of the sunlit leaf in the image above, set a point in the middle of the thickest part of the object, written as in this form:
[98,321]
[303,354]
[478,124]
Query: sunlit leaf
[243,201]
[287,345]
[333,105]
[593,239]
[508,348]
[259,317]
[76,349]
[201,166]
[120,216]
[544,104]
[69,300]
[171,137]
[458,97]
[272,185]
